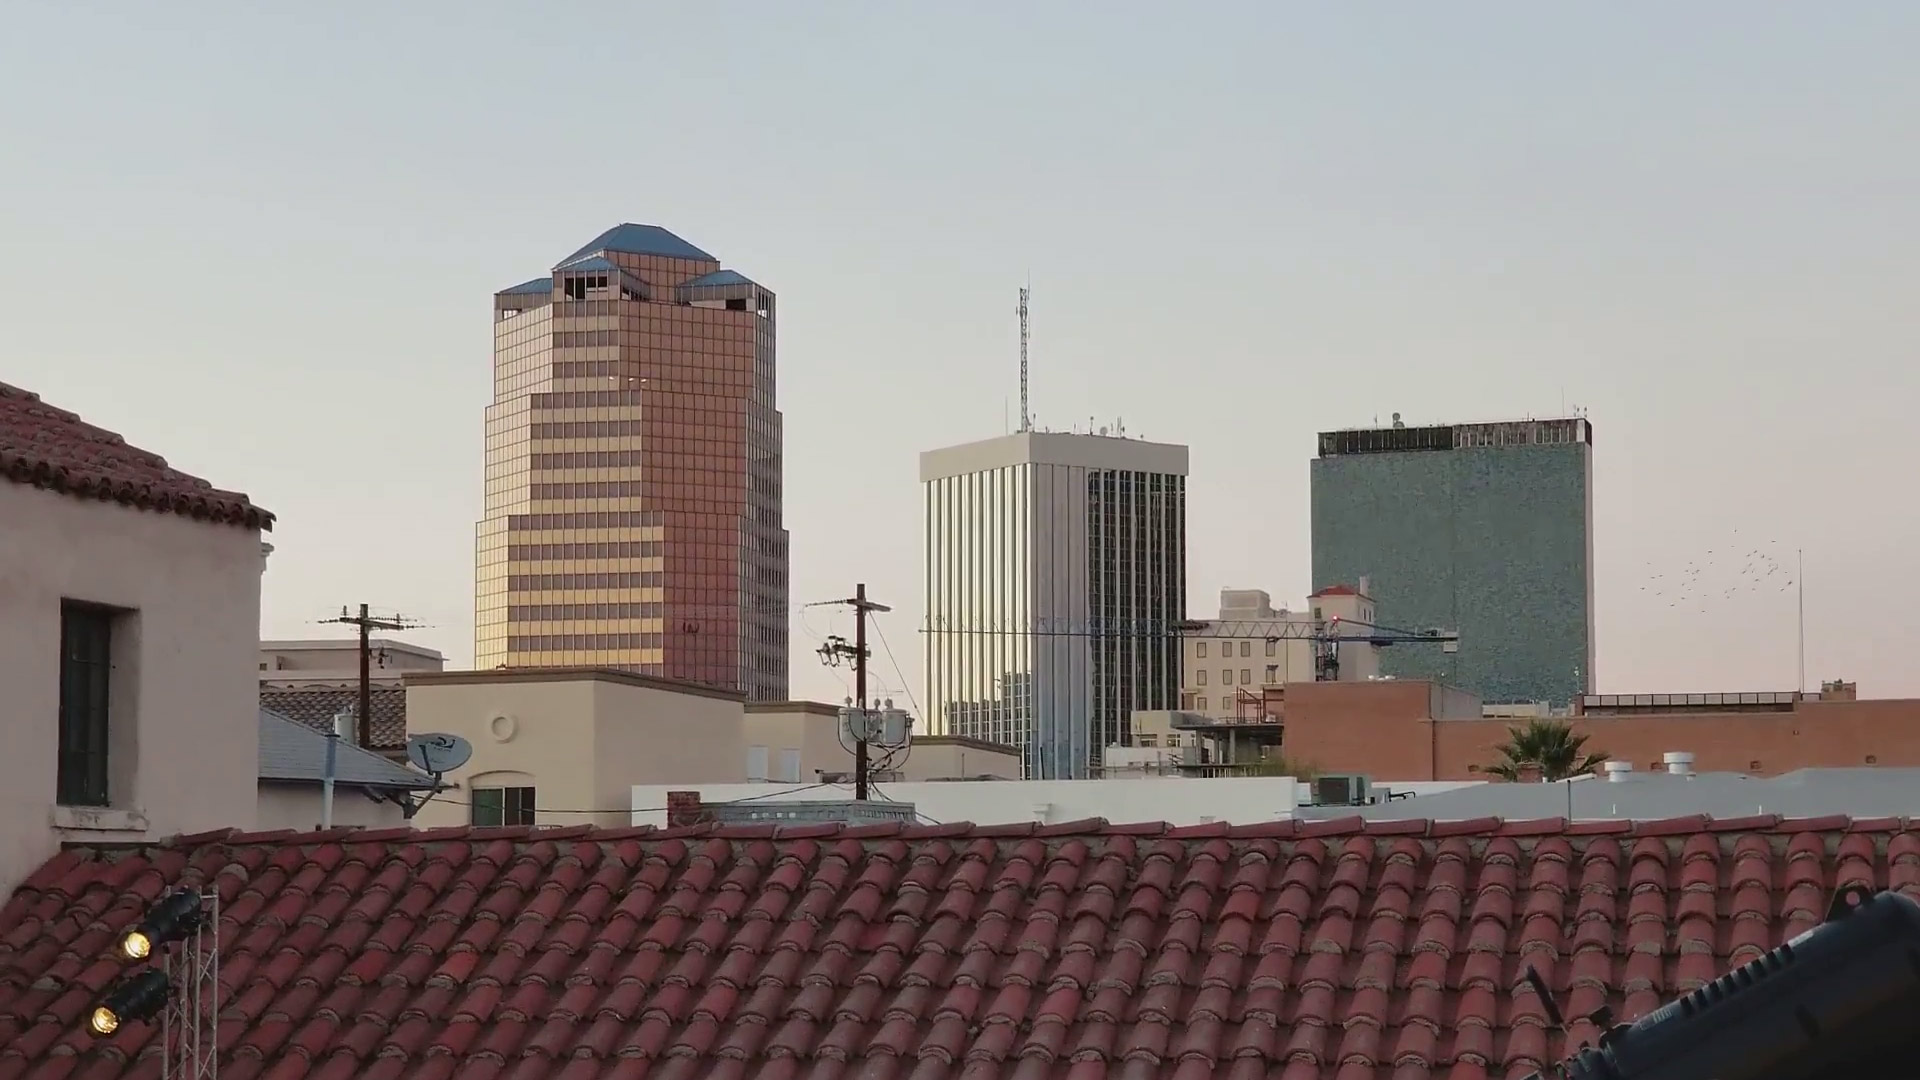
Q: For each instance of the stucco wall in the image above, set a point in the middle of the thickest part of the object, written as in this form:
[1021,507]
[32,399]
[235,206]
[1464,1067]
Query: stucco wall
[185,691]
[297,806]
[813,729]
[579,740]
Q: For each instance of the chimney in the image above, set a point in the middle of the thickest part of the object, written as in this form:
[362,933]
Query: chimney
[1530,773]
[683,809]
[1618,772]
[1679,763]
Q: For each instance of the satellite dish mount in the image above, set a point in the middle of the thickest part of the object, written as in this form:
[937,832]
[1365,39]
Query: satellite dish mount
[435,754]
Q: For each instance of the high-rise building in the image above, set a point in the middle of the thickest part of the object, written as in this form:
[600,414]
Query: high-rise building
[1486,529]
[633,474]
[1055,580]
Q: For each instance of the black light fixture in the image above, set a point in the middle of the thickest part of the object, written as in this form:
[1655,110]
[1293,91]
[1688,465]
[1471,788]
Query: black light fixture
[139,998]
[173,918]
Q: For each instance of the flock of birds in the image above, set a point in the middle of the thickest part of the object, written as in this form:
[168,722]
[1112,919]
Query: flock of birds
[1725,573]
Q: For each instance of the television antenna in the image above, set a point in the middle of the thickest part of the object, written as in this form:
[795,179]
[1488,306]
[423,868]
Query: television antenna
[1026,417]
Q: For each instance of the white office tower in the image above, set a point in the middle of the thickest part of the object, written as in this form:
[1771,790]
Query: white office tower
[1055,581]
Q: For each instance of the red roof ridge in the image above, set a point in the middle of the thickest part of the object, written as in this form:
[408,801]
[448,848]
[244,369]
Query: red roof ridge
[48,447]
[1313,950]
[1286,829]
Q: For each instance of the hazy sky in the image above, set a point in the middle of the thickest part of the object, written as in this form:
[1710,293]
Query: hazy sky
[262,238]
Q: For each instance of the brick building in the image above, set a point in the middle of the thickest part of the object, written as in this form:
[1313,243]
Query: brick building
[1414,730]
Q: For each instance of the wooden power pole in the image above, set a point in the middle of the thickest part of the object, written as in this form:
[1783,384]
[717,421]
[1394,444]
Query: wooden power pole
[368,624]
[838,648]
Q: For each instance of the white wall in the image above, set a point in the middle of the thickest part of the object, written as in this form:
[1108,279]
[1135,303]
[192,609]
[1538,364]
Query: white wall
[185,693]
[1174,800]
[297,806]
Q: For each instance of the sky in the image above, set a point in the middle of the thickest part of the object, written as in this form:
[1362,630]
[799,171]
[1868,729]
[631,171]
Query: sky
[262,239]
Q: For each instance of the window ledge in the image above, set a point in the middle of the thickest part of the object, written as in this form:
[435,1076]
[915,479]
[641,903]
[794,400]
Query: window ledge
[98,819]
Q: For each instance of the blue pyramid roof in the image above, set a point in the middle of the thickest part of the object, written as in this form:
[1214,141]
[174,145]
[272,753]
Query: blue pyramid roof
[631,239]
[718,277]
[594,262]
[537,285]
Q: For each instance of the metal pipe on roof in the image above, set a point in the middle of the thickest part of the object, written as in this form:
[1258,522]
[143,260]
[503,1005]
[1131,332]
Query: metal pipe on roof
[341,723]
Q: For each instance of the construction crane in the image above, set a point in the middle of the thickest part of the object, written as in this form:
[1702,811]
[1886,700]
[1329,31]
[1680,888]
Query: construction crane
[1327,636]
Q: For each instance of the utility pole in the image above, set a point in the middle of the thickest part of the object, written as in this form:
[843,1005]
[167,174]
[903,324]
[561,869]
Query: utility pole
[368,624]
[837,648]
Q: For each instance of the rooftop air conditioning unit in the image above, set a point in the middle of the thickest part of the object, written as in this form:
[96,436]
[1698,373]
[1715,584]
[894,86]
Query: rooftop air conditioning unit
[1346,790]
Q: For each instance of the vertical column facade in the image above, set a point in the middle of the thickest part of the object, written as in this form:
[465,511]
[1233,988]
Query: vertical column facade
[1055,575]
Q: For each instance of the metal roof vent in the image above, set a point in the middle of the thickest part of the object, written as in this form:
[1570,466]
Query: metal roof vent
[1679,763]
[1619,772]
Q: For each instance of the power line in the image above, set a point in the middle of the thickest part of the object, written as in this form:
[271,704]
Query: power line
[904,685]
[368,624]
[837,649]
[663,809]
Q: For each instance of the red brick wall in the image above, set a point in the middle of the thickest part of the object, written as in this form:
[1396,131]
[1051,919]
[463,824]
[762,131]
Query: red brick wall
[683,808]
[1382,730]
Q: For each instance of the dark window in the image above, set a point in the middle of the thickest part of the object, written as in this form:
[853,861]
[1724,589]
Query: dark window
[86,667]
[503,806]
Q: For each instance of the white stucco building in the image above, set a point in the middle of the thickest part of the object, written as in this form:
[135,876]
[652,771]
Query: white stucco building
[1055,575]
[129,641]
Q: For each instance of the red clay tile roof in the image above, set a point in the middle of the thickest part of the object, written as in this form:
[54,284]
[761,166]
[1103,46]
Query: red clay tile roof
[55,449]
[316,706]
[1073,952]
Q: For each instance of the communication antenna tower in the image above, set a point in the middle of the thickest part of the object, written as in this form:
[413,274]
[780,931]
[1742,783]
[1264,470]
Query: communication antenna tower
[1026,418]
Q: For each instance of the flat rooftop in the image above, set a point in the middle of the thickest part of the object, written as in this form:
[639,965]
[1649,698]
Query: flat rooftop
[1399,438]
[1657,796]
[1054,448]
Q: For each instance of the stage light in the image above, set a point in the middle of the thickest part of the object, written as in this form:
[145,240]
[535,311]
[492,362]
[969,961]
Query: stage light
[172,918]
[139,998]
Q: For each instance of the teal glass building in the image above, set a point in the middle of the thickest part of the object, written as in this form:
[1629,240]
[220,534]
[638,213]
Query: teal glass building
[1486,529]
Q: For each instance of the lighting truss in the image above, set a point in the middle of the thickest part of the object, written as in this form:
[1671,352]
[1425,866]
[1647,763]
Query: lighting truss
[190,1023]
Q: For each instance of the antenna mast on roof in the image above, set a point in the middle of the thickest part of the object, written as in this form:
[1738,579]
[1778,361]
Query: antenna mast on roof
[1026,418]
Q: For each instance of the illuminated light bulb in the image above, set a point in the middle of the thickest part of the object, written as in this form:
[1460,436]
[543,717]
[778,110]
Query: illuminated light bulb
[104,1021]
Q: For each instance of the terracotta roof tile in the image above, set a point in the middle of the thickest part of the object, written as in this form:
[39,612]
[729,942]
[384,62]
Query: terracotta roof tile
[924,953]
[316,706]
[51,448]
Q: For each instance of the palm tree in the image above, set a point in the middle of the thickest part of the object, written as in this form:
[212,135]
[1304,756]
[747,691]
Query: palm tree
[1551,745]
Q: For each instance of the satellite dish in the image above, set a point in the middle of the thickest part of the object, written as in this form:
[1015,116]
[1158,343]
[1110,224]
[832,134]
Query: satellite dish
[437,754]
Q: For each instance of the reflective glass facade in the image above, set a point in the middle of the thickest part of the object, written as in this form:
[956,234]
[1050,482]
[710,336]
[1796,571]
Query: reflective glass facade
[1055,573]
[1485,529]
[633,472]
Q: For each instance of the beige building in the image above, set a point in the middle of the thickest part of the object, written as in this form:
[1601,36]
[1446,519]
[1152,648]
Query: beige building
[1251,645]
[799,742]
[336,661]
[129,627]
[633,471]
[567,746]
